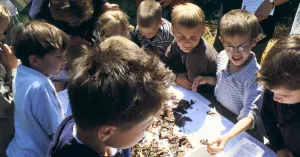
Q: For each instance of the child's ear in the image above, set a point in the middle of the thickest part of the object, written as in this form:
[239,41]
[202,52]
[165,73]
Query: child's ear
[255,41]
[203,31]
[34,60]
[106,132]
[161,22]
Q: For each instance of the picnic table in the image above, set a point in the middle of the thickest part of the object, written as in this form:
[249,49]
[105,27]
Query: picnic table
[202,126]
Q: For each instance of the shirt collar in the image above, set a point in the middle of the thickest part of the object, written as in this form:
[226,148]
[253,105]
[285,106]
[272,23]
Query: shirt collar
[243,72]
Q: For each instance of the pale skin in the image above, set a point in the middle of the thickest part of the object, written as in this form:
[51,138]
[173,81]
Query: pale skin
[8,59]
[265,8]
[182,80]
[217,145]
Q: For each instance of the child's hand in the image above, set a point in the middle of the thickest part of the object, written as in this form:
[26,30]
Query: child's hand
[199,80]
[183,81]
[217,145]
[284,153]
[108,6]
[7,57]
[165,3]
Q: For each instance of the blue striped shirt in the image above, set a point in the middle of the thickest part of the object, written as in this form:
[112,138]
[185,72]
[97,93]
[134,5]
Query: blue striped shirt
[239,92]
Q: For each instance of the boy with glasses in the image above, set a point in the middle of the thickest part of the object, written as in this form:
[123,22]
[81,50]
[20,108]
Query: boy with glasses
[236,87]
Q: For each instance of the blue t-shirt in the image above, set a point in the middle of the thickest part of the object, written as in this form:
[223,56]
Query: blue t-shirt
[37,113]
[64,144]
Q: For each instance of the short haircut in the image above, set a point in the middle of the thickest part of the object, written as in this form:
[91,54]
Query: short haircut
[188,15]
[37,38]
[4,13]
[82,9]
[114,22]
[239,23]
[149,13]
[281,66]
[118,84]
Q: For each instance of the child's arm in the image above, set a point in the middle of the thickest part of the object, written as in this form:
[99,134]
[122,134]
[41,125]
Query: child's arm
[7,70]
[181,80]
[199,80]
[265,8]
[219,144]
[252,100]
[108,6]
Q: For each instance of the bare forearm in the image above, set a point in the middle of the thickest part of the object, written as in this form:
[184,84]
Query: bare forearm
[279,2]
[211,80]
[239,127]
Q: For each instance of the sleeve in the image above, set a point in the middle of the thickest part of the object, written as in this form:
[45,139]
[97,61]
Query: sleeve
[46,109]
[212,63]
[252,100]
[173,58]
[270,121]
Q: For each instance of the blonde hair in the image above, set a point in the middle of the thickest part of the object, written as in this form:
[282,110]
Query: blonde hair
[149,12]
[4,13]
[239,22]
[115,22]
[188,15]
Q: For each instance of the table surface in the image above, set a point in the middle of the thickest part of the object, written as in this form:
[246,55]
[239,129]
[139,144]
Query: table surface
[208,127]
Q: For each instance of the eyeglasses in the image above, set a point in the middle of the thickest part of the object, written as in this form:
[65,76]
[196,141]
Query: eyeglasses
[230,49]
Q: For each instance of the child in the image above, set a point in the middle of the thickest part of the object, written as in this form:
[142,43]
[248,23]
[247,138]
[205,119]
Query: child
[113,22]
[8,64]
[37,114]
[152,31]
[280,75]
[236,87]
[115,91]
[189,55]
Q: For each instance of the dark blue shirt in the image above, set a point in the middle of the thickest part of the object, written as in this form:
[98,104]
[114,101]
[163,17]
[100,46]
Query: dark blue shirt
[65,145]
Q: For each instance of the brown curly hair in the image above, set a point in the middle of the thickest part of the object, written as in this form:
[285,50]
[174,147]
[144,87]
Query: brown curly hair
[82,9]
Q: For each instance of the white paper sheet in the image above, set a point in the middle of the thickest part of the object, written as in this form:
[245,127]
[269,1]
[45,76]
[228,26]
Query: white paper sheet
[252,5]
[204,126]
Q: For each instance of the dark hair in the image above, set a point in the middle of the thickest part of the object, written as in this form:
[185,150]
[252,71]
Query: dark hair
[239,22]
[37,38]
[281,66]
[149,12]
[117,83]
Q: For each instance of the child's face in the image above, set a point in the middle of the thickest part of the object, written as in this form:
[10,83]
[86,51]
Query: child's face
[187,38]
[3,26]
[285,96]
[150,32]
[52,63]
[238,49]
[126,139]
